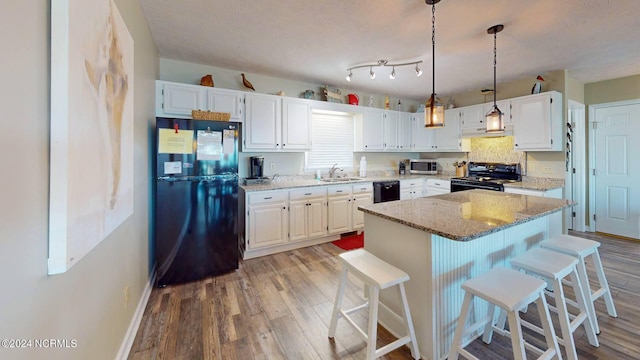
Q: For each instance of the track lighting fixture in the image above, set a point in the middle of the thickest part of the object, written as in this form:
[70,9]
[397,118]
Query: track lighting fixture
[372,75]
[495,121]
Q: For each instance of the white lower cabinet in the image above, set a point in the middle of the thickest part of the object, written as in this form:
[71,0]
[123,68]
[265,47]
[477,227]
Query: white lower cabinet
[411,188]
[437,187]
[362,195]
[268,218]
[339,200]
[307,213]
[343,201]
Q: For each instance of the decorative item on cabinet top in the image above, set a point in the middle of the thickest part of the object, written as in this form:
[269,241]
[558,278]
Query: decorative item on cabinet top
[332,96]
[210,115]
[207,80]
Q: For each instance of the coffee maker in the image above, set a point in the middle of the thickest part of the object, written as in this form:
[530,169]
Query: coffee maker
[256,166]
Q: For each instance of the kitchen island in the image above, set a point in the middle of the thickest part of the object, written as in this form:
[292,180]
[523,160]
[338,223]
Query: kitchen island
[443,240]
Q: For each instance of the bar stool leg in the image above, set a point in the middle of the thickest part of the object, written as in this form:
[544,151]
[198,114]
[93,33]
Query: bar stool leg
[517,342]
[488,329]
[582,274]
[406,314]
[462,320]
[608,299]
[545,318]
[372,332]
[563,314]
[337,305]
[583,305]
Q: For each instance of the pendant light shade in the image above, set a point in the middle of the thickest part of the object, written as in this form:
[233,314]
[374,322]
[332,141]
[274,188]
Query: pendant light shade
[434,109]
[434,112]
[494,119]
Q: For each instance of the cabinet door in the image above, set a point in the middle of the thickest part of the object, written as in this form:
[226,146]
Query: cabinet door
[317,218]
[296,124]
[358,215]
[267,225]
[472,117]
[373,130]
[391,119]
[226,101]
[298,220]
[422,136]
[447,138]
[532,122]
[262,122]
[404,131]
[339,209]
[178,99]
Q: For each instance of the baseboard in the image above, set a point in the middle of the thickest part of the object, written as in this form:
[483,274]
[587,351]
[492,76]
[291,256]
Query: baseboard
[130,336]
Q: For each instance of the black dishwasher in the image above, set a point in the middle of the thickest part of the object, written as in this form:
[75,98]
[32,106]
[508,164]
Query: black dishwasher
[384,191]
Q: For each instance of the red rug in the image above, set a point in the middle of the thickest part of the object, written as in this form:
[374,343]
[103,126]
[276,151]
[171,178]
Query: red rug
[350,242]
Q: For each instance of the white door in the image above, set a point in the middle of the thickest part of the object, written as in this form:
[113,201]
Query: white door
[617,170]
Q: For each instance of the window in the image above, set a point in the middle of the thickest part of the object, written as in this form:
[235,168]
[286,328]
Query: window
[331,141]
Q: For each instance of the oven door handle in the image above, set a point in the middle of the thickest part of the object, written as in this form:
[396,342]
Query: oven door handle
[471,187]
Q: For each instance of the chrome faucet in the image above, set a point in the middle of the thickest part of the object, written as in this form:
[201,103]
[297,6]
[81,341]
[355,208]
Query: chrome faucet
[332,172]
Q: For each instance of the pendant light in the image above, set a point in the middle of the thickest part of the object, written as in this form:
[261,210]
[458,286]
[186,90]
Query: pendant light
[494,119]
[434,109]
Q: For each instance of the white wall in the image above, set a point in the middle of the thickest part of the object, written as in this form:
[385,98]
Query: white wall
[86,303]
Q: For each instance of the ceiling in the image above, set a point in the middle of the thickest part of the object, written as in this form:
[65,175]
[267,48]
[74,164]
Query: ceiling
[316,41]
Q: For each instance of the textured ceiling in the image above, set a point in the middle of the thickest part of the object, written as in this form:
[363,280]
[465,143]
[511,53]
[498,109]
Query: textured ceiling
[316,41]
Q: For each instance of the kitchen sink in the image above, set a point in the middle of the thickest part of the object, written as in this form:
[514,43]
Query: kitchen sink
[342,179]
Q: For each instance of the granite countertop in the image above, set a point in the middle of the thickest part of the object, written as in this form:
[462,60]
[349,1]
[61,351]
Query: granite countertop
[537,183]
[287,182]
[466,215]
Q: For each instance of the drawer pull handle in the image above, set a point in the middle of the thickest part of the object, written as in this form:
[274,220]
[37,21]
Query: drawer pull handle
[307,193]
[267,198]
[338,190]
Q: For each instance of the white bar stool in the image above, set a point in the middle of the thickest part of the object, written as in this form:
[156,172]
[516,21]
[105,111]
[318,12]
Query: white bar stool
[377,275]
[582,248]
[554,267]
[510,290]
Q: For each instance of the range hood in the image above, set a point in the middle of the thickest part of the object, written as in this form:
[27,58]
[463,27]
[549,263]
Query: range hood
[481,132]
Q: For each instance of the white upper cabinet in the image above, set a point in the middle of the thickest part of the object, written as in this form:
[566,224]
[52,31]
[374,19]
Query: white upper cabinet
[444,139]
[227,101]
[537,122]
[472,118]
[369,130]
[262,128]
[391,121]
[177,100]
[296,124]
[405,124]
[422,136]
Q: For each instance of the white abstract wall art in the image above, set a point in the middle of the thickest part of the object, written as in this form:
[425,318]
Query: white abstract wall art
[91,147]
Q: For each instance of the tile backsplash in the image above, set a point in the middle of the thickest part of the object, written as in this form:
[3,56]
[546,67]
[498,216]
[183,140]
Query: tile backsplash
[496,149]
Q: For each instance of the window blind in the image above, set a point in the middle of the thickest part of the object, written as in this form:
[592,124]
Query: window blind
[331,141]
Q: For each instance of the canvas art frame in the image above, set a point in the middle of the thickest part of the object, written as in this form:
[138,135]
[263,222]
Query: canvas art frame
[91,134]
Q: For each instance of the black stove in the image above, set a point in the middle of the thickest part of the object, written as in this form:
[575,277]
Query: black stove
[488,176]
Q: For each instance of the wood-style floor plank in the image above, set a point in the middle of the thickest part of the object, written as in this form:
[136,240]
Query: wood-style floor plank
[279,307]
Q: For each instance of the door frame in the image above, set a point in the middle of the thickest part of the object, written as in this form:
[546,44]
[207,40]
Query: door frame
[592,153]
[576,182]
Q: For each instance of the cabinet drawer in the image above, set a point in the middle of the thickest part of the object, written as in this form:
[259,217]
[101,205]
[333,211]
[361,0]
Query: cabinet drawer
[409,183]
[306,193]
[363,188]
[439,184]
[266,197]
[339,190]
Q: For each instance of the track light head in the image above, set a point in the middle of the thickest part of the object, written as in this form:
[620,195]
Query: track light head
[393,73]
[349,76]
[418,71]
[372,75]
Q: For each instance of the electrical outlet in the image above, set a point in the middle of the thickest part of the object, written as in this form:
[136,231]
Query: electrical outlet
[547,169]
[273,166]
[126,296]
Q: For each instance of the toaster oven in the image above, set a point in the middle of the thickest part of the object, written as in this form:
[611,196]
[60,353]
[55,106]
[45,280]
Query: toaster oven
[423,166]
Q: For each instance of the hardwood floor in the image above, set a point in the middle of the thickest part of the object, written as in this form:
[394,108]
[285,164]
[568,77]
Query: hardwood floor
[279,307]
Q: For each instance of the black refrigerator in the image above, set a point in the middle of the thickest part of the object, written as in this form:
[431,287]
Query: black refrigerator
[196,199]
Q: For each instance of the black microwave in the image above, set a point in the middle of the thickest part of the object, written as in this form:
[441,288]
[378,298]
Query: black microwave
[423,166]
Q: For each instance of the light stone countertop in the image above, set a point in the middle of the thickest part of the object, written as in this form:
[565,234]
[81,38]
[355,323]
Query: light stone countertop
[288,182]
[297,181]
[466,215]
[537,183]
